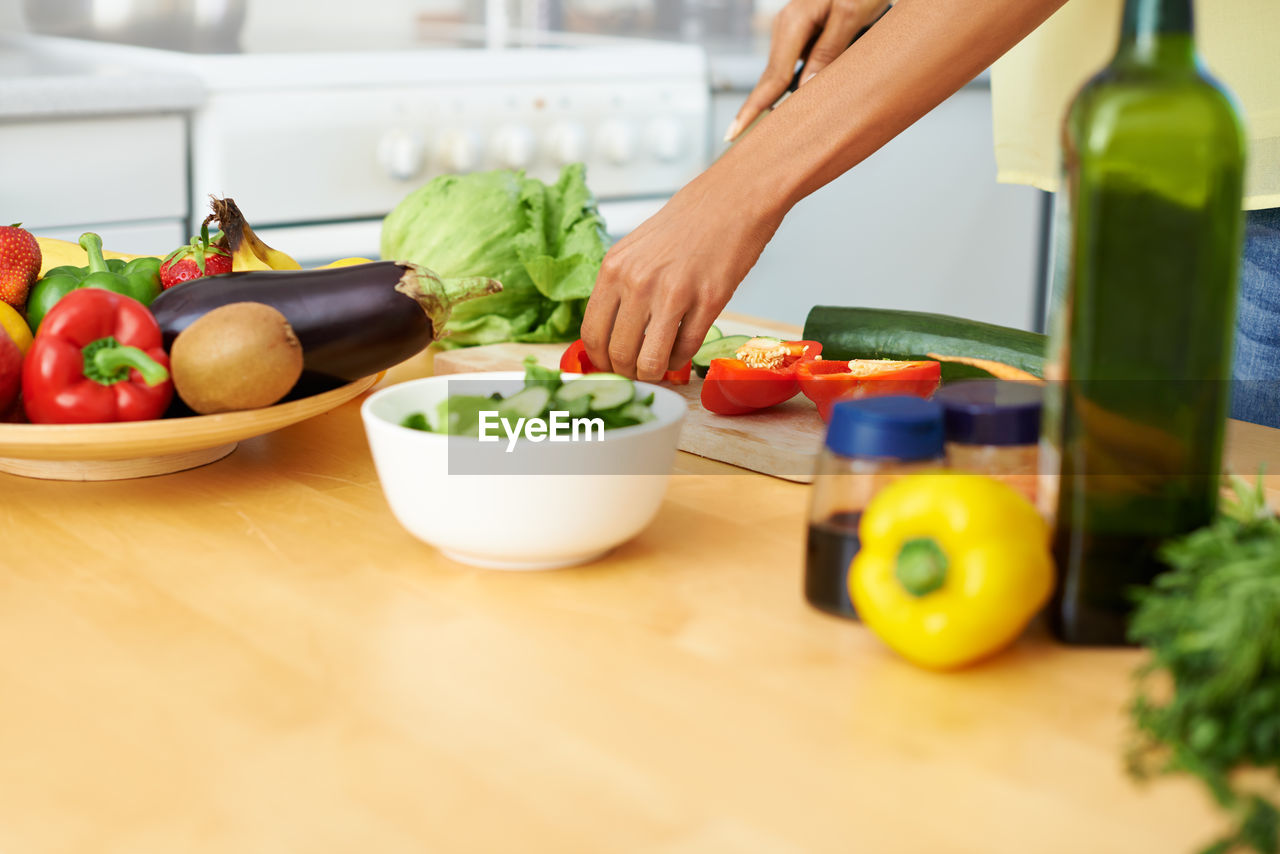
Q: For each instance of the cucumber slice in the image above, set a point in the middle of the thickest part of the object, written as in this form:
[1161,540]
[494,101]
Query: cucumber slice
[605,391]
[719,348]
[459,415]
[712,334]
[529,402]
[626,416]
[576,408]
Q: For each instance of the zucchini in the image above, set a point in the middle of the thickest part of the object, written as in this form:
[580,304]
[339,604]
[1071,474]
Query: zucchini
[717,348]
[880,333]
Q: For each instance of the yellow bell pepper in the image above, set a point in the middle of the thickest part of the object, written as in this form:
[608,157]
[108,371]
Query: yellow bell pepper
[952,567]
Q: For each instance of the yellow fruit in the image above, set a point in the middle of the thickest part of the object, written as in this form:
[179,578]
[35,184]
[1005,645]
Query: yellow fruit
[347,262]
[58,253]
[13,323]
[248,252]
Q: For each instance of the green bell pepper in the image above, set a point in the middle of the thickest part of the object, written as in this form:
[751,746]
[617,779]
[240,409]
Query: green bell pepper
[138,279]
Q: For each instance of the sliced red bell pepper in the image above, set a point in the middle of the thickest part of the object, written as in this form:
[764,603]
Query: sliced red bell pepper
[825,382]
[762,375]
[576,361]
[98,357]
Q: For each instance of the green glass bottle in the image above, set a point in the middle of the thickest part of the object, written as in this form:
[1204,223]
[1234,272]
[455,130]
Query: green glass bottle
[1141,350]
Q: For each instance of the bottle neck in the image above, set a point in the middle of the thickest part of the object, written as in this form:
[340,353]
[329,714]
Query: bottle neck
[1157,33]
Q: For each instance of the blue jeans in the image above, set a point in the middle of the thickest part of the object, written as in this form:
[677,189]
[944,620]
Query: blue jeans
[1255,372]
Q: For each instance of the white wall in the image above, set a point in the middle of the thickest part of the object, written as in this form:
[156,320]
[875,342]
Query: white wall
[921,225]
[11,15]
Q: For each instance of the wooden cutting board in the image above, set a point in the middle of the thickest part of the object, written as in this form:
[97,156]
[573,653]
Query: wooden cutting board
[782,441]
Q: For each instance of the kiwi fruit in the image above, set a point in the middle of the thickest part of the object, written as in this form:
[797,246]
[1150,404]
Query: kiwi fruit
[243,355]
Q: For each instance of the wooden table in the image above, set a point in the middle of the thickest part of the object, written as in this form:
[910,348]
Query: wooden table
[255,657]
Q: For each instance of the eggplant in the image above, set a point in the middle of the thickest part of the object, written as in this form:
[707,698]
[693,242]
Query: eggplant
[351,321]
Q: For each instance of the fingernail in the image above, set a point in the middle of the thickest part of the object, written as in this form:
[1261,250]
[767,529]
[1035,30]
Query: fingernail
[735,128]
[808,77]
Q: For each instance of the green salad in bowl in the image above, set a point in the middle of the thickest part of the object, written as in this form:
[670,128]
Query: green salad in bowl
[611,399]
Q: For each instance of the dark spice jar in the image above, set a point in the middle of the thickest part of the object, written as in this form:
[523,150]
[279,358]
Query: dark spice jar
[993,428]
[869,444]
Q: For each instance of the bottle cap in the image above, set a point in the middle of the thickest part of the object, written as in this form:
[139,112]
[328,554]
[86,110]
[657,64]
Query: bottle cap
[991,412]
[905,428]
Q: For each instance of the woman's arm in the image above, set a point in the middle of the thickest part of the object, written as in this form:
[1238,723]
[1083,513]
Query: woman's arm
[661,287]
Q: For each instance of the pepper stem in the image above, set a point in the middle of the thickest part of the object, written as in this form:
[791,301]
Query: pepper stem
[92,245]
[107,362]
[922,566]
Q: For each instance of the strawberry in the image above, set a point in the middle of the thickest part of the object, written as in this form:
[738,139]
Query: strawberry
[198,258]
[19,264]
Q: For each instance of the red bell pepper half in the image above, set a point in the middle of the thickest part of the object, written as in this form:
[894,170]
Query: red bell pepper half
[826,382]
[98,357]
[763,374]
[576,361]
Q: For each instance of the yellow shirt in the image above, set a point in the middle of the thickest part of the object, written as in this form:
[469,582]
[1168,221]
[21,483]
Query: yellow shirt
[1033,84]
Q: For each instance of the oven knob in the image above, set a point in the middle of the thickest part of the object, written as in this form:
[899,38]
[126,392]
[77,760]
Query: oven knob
[567,143]
[457,151]
[400,153]
[514,146]
[615,142]
[666,139]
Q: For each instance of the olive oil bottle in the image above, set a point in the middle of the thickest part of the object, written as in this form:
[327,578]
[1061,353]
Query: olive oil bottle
[1141,350]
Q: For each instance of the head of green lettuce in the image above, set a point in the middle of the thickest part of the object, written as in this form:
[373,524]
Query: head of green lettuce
[544,243]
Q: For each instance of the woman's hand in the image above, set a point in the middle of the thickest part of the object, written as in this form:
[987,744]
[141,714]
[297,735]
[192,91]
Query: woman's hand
[816,31]
[662,286]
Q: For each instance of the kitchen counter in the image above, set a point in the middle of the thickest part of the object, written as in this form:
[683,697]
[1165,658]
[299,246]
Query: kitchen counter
[34,84]
[255,656]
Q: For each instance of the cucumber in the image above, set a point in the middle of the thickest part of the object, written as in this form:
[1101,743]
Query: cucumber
[605,391]
[879,333]
[626,416]
[717,348]
[712,334]
[529,402]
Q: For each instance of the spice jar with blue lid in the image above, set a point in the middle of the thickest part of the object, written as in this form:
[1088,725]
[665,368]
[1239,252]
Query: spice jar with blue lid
[993,428]
[869,443]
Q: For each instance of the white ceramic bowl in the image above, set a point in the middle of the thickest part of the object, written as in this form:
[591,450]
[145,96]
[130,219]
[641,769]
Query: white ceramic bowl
[539,506]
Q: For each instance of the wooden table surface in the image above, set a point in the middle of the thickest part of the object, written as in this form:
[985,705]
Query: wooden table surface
[255,657]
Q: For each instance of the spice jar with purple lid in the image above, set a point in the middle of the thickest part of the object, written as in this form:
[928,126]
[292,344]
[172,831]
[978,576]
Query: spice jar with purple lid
[993,428]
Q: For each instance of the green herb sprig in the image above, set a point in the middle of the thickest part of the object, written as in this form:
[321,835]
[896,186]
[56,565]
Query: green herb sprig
[1212,625]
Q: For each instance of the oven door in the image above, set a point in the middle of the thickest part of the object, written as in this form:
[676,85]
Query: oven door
[320,243]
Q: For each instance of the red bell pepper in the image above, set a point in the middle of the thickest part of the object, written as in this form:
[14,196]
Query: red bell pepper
[98,357]
[826,382]
[576,361]
[763,374]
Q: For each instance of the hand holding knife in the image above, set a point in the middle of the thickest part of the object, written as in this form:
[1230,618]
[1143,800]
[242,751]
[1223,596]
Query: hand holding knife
[808,36]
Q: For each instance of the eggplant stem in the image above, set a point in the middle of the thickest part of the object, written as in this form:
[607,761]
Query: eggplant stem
[438,296]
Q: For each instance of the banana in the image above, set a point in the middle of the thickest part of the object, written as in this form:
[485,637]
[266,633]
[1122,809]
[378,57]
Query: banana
[275,259]
[58,253]
[346,262]
[248,251]
[244,258]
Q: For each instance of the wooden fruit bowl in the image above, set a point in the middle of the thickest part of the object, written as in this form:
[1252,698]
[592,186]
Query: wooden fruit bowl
[143,448]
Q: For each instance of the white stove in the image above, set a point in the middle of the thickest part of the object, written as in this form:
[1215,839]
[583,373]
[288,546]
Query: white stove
[318,138]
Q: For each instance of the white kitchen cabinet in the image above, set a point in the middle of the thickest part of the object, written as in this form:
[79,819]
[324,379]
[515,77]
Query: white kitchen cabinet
[124,177]
[922,225]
